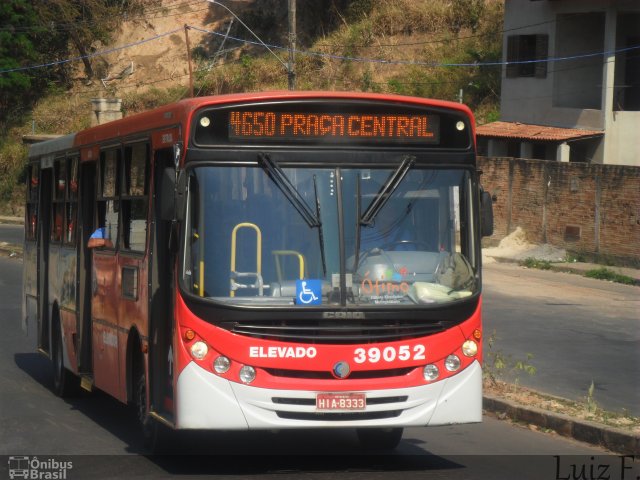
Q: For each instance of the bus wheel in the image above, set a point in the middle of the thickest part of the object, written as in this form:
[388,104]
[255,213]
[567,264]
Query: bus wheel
[379,438]
[65,383]
[153,433]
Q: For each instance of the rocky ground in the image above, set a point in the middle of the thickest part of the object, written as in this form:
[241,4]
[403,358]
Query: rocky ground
[516,247]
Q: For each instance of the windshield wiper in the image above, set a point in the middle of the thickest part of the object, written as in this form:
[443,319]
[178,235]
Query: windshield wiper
[320,232]
[293,195]
[289,190]
[387,189]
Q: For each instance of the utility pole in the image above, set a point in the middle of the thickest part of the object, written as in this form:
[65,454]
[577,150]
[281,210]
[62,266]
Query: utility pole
[292,45]
[186,37]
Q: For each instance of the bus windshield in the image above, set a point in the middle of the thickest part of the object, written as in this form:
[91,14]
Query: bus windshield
[318,236]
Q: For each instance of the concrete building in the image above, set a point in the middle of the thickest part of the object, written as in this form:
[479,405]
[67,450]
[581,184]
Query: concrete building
[583,103]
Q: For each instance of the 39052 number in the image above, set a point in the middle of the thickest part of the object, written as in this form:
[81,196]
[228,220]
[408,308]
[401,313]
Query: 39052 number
[389,354]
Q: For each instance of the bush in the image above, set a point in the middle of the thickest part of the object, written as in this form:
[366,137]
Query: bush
[604,273]
[535,263]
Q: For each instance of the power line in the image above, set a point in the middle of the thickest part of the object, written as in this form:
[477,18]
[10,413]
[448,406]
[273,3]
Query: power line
[91,55]
[447,40]
[147,14]
[427,64]
[330,56]
[165,79]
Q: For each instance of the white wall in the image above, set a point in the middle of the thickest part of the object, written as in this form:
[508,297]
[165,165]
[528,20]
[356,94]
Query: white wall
[531,100]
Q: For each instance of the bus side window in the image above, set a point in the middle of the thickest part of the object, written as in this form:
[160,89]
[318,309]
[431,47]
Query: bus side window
[57,204]
[108,204]
[135,197]
[71,203]
[31,220]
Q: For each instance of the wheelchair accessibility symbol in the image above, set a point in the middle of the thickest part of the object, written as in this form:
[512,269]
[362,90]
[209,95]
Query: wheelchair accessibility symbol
[309,292]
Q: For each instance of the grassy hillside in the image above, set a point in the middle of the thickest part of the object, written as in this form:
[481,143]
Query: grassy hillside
[394,46]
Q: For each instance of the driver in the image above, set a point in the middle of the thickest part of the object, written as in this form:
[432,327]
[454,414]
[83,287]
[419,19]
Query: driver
[390,228]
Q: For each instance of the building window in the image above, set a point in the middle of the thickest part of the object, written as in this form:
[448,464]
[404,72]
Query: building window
[527,48]
[578,83]
[627,76]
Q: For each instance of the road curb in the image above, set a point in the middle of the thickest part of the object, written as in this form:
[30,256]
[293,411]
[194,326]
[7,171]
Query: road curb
[614,439]
[11,220]
[569,268]
[11,250]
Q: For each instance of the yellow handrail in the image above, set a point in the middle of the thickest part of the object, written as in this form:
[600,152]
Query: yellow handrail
[279,253]
[258,247]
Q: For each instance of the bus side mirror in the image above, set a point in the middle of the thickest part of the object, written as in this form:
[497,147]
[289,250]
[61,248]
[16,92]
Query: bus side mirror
[486,214]
[172,195]
[167,195]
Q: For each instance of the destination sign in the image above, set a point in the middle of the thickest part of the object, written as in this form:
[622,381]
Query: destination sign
[334,127]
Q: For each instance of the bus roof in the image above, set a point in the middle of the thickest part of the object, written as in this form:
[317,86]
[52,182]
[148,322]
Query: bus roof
[55,145]
[179,113]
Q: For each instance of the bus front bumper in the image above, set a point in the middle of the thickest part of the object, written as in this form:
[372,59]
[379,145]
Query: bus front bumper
[206,401]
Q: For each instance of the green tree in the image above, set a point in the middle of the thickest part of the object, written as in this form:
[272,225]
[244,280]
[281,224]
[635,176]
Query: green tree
[84,23]
[17,50]
[34,33]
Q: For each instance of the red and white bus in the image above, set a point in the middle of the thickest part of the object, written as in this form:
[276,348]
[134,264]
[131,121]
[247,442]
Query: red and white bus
[265,261]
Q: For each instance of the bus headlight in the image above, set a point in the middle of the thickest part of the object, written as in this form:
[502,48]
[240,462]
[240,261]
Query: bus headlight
[452,363]
[221,364]
[199,350]
[431,372]
[247,374]
[470,348]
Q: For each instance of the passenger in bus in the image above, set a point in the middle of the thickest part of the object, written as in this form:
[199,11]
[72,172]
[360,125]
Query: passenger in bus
[97,239]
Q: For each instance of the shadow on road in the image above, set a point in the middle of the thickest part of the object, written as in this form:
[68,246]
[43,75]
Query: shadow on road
[249,453]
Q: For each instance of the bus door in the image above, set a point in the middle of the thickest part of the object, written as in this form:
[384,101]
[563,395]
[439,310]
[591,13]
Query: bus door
[30,256]
[105,296]
[119,307]
[46,180]
[161,326]
[86,217]
[133,270]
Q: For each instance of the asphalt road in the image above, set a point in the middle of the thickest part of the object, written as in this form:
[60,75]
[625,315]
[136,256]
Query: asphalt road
[100,437]
[13,234]
[578,330]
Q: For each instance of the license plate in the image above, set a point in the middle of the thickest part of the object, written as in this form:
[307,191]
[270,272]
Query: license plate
[341,401]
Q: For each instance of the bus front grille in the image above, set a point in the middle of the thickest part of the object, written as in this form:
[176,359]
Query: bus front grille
[339,416]
[324,375]
[345,332]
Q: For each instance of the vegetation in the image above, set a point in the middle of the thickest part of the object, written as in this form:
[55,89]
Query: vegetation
[399,46]
[535,263]
[391,46]
[604,273]
[585,409]
[37,33]
[33,33]
[498,365]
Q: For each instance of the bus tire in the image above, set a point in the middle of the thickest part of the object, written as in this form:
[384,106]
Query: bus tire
[65,383]
[379,438]
[154,434]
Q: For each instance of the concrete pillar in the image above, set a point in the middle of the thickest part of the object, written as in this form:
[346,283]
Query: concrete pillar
[105,110]
[608,82]
[563,152]
[526,150]
[496,148]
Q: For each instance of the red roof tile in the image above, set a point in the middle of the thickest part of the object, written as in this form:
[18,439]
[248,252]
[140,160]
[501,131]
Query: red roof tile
[533,132]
